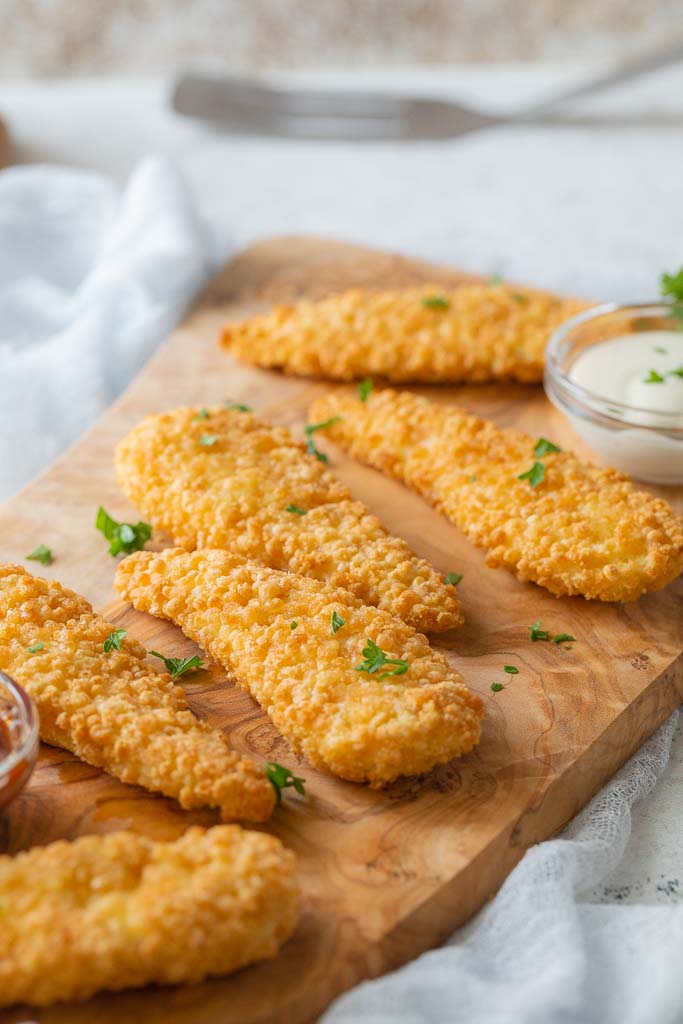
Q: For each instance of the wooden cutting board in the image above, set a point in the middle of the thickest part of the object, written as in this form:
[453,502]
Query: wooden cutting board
[385,875]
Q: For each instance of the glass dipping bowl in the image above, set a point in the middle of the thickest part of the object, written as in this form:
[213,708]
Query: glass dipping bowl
[18,739]
[645,443]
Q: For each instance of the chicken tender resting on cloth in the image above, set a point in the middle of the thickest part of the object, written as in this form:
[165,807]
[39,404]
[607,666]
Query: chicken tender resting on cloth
[120,911]
[296,645]
[112,709]
[477,332]
[580,530]
[221,478]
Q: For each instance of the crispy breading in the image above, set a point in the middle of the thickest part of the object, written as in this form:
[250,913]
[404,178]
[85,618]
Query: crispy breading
[582,530]
[235,491]
[273,631]
[120,911]
[477,332]
[112,709]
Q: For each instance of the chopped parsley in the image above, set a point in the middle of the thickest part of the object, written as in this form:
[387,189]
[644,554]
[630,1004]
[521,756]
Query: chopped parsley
[296,510]
[293,624]
[660,350]
[122,536]
[615,412]
[374,658]
[473,479]
[543,446]
[237,406]
[207,440]
[497,687]
[453,578]
[41,554]
[511,670]
[336,622]
[113,641]
[653,378]
[179,666]
[535,475]
[536,633]
[281,778]
[672,285]
[435,302]
[364,389]
[518,297]
[676,373]
[34,648]
[495,279]
[311,428]
[311,446]
[203,414]
[563,638]
[312,449]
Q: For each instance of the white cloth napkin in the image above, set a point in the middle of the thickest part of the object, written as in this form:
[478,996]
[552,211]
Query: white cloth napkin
[536,954]
[90,282]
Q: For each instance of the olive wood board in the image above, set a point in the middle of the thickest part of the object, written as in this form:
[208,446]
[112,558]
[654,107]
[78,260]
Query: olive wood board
[388,874]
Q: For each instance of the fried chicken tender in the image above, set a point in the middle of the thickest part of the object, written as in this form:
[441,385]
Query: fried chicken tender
[276,635]
[221,478]
[112,709]
[581,530]
[120,911]
[477,332]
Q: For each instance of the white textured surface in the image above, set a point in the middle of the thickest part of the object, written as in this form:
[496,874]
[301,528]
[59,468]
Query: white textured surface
[595,212]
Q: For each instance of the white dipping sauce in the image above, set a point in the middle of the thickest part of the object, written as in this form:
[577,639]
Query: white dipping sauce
[636,369]
[626,370]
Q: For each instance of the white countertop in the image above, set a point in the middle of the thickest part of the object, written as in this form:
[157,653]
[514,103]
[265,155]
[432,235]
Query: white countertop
[591,211]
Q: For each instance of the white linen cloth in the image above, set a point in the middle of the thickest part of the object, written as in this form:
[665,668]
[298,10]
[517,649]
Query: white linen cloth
[536,955]
[91,281]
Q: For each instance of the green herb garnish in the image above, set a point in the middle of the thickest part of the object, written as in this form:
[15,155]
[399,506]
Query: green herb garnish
[312,449]
[207,440]
[113,641]
[495,279]
[672,284]
[293,624]
[676,373]
[34,648]
[563,638]
[511,670]
[41,554]
[535,475]
[311,428]
[296,510]
[364,389]
[374,658]
[542,447]
[281,778]
[336,622]
[615,412]
[453,578]
[179,666]
[238,406]
[653,378]
[497,687]
[662,351]
[435,302]
[203,414]
[122,536]
[518,297]
[536,633]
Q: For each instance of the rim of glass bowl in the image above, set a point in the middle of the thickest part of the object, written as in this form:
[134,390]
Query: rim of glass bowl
[29,716]
[558,384]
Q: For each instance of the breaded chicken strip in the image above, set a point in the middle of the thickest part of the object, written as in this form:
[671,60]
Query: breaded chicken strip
[297,645]
[112,709]
[579,530]
[477,332]
[120,911]
[221,478]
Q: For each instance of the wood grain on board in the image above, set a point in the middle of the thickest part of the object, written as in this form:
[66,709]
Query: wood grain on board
[386,874]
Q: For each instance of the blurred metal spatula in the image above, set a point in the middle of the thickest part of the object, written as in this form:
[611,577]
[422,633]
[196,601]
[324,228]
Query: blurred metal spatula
[256,108]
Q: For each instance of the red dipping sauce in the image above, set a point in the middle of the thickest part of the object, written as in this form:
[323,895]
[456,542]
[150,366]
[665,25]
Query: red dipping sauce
[18,739]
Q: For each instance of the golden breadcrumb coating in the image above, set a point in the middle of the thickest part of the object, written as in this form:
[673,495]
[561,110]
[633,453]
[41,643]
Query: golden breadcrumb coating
[120,911]
[112,709]
[476,332]
[273,632]
[234,493]
[582,530]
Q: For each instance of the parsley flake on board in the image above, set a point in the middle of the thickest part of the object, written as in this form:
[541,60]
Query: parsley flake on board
[544,446]
[374,658]
[296,510]
[281,778]
[34,648]
[653,378]
[113,641]
[511,670]
[364,389]
[41,554]
[122,536]
[435,302]
[237,406]
[336,622]
[203,414]
[179,666]
[563,638]
[535,475]
[536,633]
[453,578]
[497,687]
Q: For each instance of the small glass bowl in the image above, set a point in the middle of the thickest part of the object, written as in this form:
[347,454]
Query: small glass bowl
[645,443]
[19,739]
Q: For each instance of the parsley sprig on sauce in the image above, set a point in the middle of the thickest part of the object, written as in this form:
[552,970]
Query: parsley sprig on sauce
[179,666]
[282,778]
[374,658]
[122,536]
[41,554]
